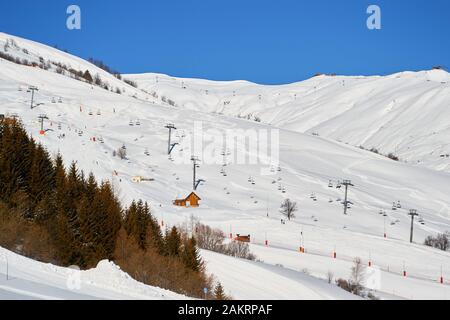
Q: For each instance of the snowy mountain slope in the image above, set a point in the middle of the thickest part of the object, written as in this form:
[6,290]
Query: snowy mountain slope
[407,114]
[32,280]
[230,202]
[242,279]
[51,58]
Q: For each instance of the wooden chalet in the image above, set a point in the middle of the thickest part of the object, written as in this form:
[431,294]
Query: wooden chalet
[192,200]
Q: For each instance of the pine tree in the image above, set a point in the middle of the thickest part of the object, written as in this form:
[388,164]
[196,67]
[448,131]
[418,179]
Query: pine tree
[172,242]
[154,234]
[87,76]
[219,293]
[190,255]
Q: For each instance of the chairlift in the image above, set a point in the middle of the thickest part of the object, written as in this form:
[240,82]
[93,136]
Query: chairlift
[131,123]
[330,184]
[59,100]
[138,123]
[399,206]
[338,186]
[53,100]
[90,113]
[394,206]
[99,113]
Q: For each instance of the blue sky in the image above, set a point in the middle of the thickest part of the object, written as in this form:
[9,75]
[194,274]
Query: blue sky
[276,41]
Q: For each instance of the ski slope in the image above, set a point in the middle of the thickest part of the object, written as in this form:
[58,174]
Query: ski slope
[232,203]
[406,114]
[242,280]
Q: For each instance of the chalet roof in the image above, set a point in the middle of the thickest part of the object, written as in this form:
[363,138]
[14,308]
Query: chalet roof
[193,194]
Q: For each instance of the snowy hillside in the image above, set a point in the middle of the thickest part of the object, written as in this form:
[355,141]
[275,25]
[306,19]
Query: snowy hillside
[407,114]
[26,279]
[245,198]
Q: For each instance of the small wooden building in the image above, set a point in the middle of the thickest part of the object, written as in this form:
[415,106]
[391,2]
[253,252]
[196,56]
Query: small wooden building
[190,201]
[242,238]
[139,179]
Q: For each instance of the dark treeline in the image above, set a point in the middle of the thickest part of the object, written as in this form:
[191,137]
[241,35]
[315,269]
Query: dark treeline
[66,218]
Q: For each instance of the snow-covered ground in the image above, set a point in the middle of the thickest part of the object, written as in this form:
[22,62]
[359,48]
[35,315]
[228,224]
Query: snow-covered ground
[307,163]
[27,279]
[250,280]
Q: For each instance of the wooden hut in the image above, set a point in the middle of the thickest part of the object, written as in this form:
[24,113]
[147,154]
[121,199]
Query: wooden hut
[242,238]
[190,201]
